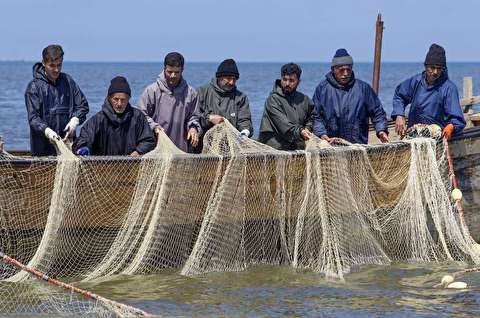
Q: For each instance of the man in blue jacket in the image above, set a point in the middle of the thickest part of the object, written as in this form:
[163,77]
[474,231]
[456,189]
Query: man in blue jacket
[343,105]
[433,98]
[55,104]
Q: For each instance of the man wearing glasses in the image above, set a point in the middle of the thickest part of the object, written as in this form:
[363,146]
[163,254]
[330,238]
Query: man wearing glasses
[432,97]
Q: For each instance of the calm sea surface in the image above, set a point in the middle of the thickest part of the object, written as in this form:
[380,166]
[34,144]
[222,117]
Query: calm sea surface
[400,290]
[256,80]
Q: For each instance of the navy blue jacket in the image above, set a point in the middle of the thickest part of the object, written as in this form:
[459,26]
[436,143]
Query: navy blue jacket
[429,104]
[51,105]
[110,134]
[343,111]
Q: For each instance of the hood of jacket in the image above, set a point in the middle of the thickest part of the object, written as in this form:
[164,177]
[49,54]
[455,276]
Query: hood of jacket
[113,117]
[333,81]
[438,82]
[278,90]
[38,72]
[164,88]
[220,90]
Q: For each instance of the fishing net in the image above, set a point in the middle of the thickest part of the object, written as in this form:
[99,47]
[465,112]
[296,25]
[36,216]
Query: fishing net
[329,208]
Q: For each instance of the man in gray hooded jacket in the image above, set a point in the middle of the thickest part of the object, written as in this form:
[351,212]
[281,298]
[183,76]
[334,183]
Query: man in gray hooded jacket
[169,105]
[220,99]
[287,119]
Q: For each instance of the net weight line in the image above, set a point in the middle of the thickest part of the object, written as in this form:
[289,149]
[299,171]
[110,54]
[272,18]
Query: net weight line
[35,273]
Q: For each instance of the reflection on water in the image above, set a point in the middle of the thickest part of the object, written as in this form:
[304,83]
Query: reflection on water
[400,290]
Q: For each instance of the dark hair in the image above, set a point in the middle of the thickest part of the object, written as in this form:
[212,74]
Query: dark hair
[174,59]
[52,52]
[291,68]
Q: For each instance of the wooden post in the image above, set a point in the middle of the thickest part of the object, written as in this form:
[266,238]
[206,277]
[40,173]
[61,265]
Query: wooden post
[468,101]
[378,54]
[467,87]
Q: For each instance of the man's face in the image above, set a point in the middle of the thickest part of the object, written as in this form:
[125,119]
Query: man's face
[173,75]
[119,102]
[227,83]
[53,68]
[342,73]
[433,72]
[289,83]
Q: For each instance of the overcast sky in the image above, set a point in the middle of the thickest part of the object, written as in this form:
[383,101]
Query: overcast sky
[255,30]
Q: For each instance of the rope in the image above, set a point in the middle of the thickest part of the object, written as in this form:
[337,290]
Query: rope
[454,182]
[74,289]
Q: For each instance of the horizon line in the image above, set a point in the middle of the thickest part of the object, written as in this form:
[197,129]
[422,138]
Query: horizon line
[238,61]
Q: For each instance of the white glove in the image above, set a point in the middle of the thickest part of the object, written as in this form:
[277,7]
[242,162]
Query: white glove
[71,126]
[51,135]
[245,133]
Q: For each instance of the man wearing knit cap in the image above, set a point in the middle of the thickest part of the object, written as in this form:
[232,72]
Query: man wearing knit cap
[118,129]
[170,104]
[432,97]
[343,105]
[220,99]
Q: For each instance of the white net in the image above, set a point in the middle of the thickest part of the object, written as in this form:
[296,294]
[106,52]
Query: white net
[329,209]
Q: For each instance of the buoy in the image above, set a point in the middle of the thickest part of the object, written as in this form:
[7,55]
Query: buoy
[457,285]
[447,279]
[434,129]
[456,194]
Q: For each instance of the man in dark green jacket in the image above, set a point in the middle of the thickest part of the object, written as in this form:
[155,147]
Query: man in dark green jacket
[287,118]
[220,99]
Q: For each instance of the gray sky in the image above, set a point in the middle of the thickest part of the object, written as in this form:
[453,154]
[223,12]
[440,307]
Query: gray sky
[211,30]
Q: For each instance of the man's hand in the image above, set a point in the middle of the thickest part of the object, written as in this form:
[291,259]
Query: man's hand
[71,127]
[192,135]
[158,129]
[383,137]
[135,154]
[245,133]
[83,151]
[306,134]
[215,119]
[447,131]
[325,137]
[400,126]
[51,135]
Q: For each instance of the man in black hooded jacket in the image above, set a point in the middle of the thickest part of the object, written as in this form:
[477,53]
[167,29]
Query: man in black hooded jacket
[118,129]
[55,104]
[287,119]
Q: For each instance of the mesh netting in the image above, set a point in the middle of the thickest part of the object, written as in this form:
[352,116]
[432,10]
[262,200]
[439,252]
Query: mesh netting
[328,209]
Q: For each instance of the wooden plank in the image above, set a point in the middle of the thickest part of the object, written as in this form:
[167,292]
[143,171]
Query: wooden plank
[470,101]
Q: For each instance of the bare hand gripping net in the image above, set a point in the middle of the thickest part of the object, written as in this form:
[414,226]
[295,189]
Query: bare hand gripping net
[328,209]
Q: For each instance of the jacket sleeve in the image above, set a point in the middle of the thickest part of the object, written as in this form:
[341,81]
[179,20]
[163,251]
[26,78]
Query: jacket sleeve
[88,134]
[147,105]
[145,138]
[33,103]
[402,97]
[202,112]
[244,117]
[283,126]
[453,110]
[375,111]
[193,119]
[80,104]
[318,115]
[311,108]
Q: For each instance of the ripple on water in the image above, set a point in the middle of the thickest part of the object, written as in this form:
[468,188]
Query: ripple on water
[400,290]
